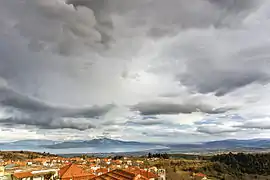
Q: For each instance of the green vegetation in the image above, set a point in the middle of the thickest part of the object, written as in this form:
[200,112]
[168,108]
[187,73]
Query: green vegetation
[225,167]
[242,165]
[23,155]
[158,155]
[117,157]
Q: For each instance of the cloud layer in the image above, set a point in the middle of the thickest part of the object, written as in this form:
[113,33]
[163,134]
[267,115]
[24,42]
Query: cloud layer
[137,70]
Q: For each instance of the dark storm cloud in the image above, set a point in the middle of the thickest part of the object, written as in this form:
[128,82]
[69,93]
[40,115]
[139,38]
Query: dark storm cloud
[163,18]
[143,121]
[215,130]
[47,123]
[223,81]
[69,26]
[97,5]
[92,112]
[147,122]
[102,14]
[156,108]
[233,11]
[237,5]
[10,98]
[29,111]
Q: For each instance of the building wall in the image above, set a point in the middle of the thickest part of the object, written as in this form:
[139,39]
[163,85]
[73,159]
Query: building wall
[28,178]
[162,174]
[2,171]
[5,178]
[41,177]
[38,178]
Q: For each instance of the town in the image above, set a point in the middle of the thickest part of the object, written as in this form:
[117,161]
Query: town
[53,167]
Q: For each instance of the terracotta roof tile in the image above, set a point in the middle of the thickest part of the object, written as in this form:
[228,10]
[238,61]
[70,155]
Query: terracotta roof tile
[121,175]
[73,171]
[102,170]
[20,175]
[200,175]
[147,174]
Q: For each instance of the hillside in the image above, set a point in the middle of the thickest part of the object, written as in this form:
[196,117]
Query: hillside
[106,145]
[23,155]
[218,167]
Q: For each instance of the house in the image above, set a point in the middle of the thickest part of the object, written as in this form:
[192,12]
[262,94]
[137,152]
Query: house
[200,176]
[101,171]
[47,174]
[2,171]
[162,174]
[94,167]
[144,173]
[129,162]
[153,169]
[119,175]
[29,163]
[22,176]
[73,172]
[34,175]
[126,174]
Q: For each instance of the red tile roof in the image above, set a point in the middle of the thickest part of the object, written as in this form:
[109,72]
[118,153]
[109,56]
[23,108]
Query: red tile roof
[116,175]
[102,170]
[200,175]
[72,171]
[142,172]
[20,175]
[120,174]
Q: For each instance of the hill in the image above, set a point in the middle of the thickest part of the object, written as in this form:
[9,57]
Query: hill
[238,166]
[92,143]
[106,145]
[23,155]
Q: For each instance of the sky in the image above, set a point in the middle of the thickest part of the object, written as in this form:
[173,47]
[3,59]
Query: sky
[145,70]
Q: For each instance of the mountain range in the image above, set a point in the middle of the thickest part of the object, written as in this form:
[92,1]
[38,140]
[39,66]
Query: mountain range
[105,145]
[103,142]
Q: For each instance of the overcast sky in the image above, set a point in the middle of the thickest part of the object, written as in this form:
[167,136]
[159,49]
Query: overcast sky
[144,70]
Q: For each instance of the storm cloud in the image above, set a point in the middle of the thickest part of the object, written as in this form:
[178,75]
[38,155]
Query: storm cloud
[216,130]
[93,65]
[20,109]
[102,15]
[256,123]
[156,108]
